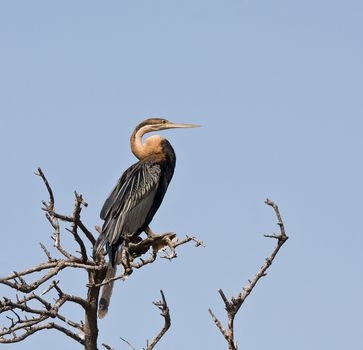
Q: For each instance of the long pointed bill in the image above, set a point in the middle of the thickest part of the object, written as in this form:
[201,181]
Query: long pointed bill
[170,125]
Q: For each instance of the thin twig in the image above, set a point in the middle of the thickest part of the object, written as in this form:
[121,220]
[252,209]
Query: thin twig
[128,343]
[218,324]
[46,251]
[188,239]
[87,233]
[76,216]
[50,191]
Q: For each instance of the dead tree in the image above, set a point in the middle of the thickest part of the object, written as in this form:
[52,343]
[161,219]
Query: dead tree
[38,304]
[33,309]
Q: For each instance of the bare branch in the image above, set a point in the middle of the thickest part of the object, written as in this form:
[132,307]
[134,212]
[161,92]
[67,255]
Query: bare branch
[67,297]
[163,307]
[224,298]
[30,326]
[53,218]
[33,329]
[142,262]
[87,233]
[218,324]
[27,288]
[57,234]
[188,239]
[233,305]
[46,251]
[50,191]
[279,219]
[76,218]
[132,251]
[54,268]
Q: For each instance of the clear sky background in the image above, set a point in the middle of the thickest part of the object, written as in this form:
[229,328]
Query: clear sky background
[277,87]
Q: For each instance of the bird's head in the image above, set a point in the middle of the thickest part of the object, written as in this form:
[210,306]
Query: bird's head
[152,144]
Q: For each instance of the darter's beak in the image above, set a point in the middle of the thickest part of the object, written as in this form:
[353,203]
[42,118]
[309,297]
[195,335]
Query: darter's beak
[170,125]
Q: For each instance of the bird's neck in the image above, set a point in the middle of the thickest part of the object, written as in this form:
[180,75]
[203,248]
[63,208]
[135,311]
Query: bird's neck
[141,150]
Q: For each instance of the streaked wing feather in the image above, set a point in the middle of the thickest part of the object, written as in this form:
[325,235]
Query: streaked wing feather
[140,182]
[130,221]
[111,198]
[128,205]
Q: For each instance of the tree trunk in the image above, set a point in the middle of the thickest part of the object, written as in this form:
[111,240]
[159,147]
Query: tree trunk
[90,327]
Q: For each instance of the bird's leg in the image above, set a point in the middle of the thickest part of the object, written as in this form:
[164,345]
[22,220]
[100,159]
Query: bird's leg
[161,242]
[126,258]
[150,233]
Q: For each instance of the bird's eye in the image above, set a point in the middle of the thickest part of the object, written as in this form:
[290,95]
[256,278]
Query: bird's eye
[163,121]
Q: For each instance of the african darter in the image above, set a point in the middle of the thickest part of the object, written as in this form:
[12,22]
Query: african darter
[132,204]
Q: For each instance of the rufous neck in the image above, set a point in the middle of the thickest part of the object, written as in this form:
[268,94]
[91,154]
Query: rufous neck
[141,150]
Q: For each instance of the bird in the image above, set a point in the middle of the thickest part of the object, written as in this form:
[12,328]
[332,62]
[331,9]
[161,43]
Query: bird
[131,206]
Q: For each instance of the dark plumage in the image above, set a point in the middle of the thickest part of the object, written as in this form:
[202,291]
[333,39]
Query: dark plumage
[134,201]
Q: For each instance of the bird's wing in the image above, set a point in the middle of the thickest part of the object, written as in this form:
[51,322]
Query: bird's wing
[111,198]
[129,204]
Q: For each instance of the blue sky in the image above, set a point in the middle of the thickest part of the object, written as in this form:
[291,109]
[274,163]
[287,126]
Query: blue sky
[277,87]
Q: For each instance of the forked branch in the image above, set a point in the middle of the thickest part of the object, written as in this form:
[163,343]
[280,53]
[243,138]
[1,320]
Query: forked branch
[233,305]
[162,305]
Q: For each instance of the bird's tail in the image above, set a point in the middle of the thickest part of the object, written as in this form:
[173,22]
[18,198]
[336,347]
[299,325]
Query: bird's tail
[106,292]
[100,243]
